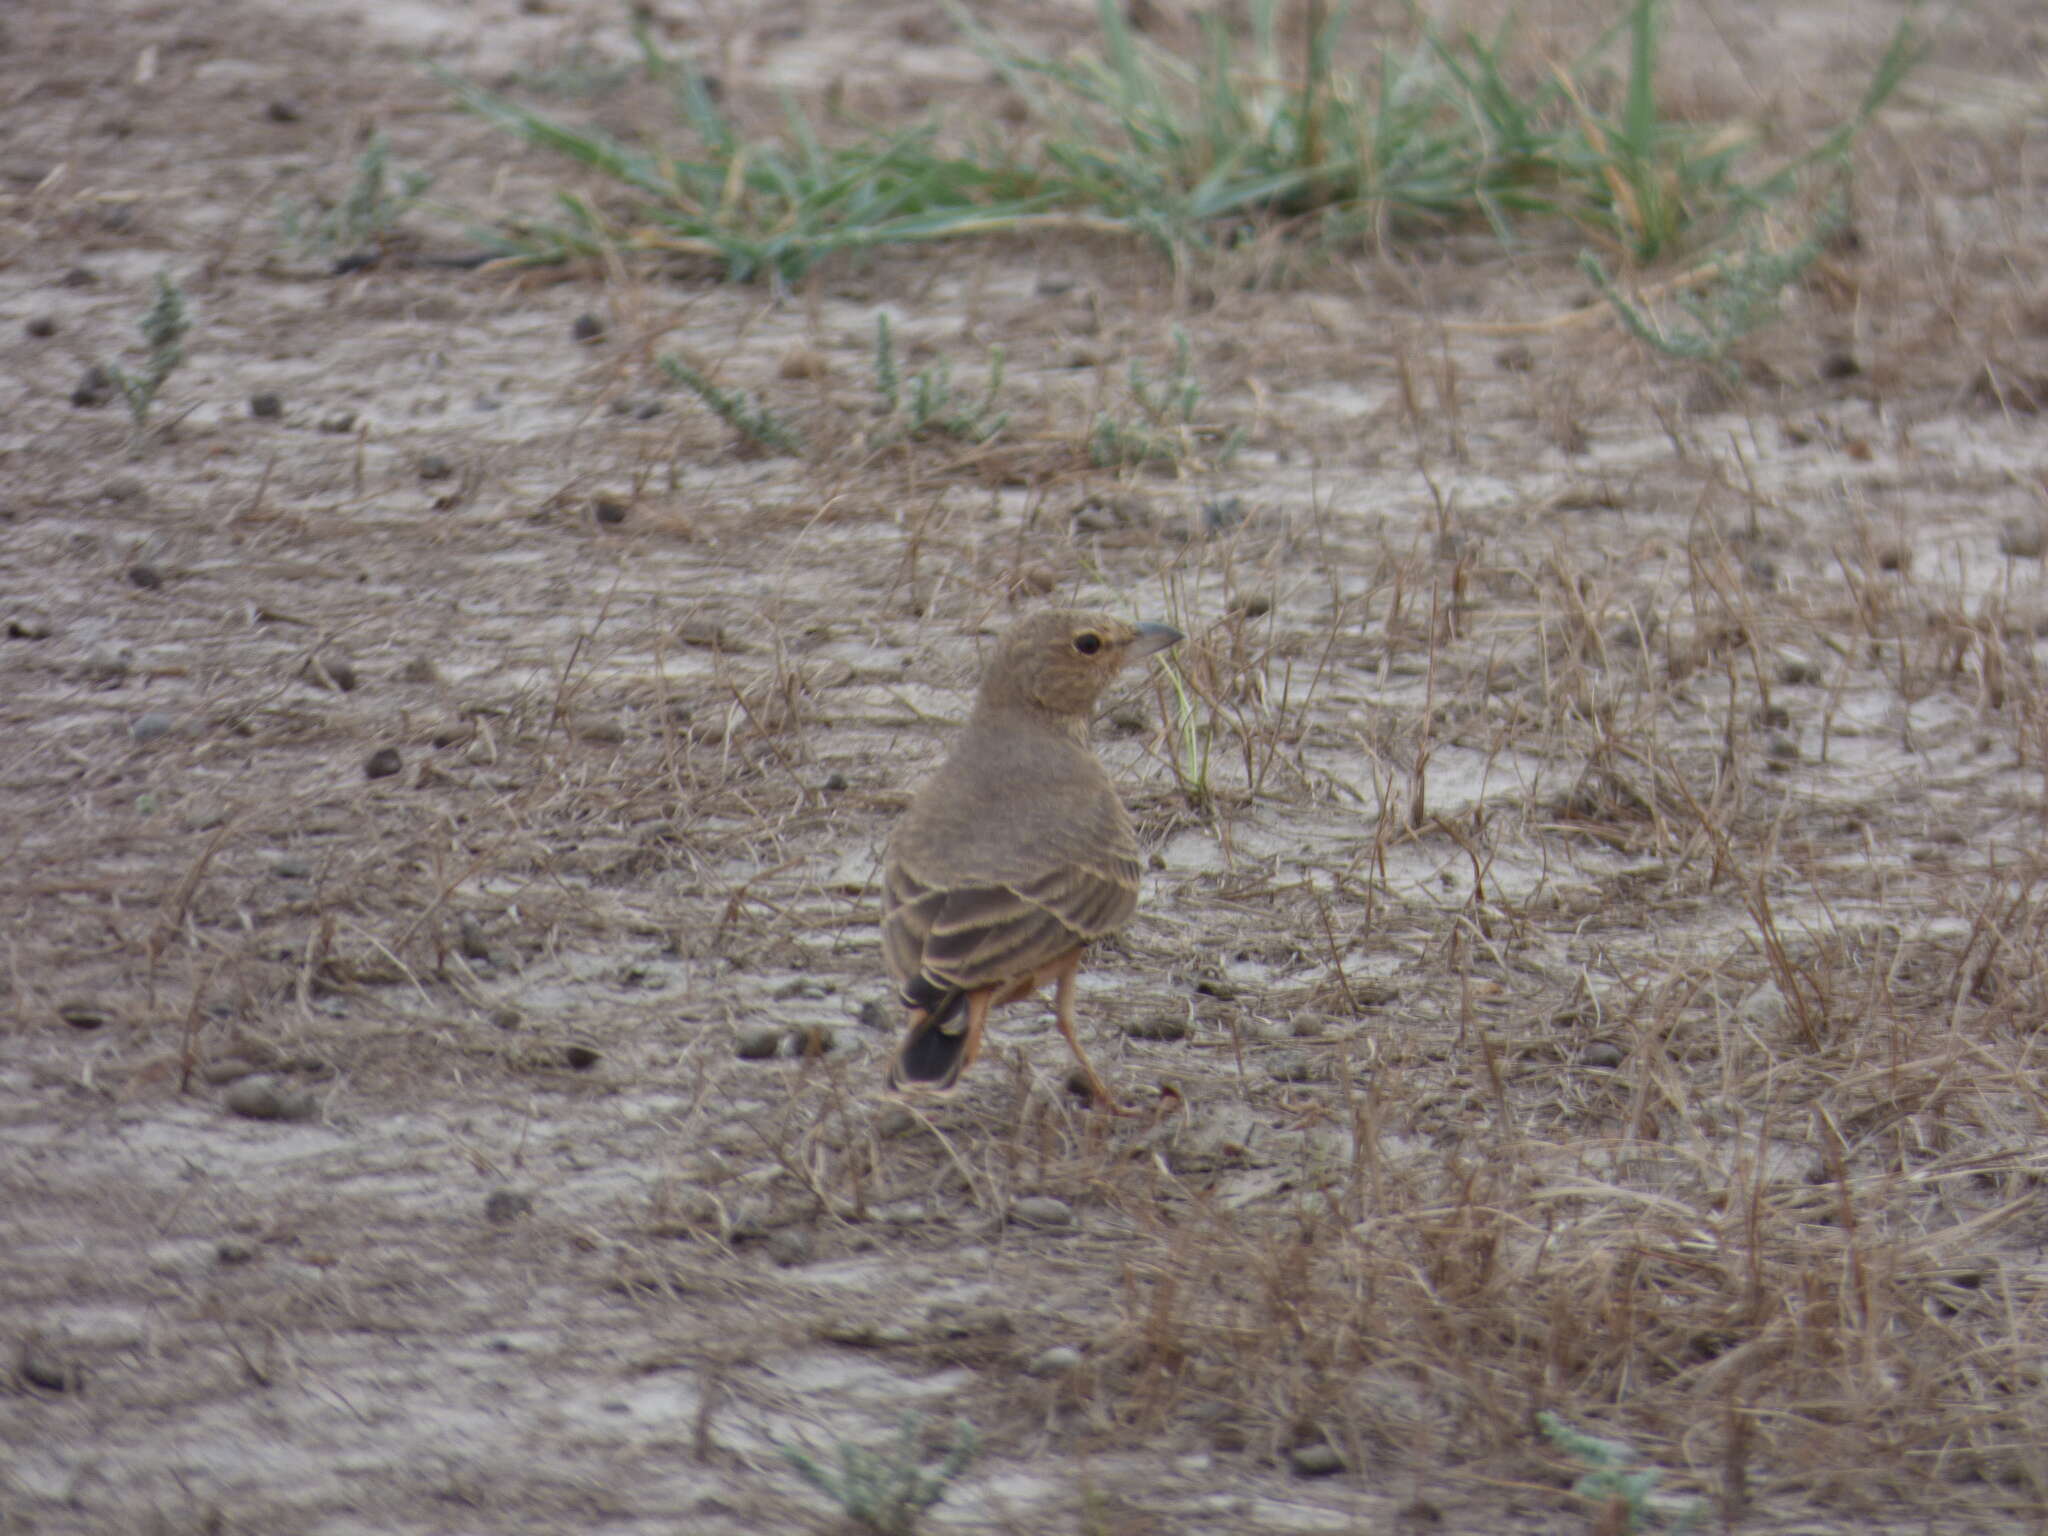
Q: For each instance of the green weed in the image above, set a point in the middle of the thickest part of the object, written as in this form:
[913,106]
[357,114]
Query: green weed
[887,1491]
[164,327]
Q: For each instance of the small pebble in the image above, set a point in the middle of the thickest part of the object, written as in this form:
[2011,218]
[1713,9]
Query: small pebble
[124,488]
[1042,1211]
[504,1206]
[336,672]
[283,112]
[1057,1361]
[338,422]
[78,277]
[757,1042]
[791,1247]
[2022,538]
[808,1041]
[1163,1025]
[144,575]
[293,867]
[834,783]
[153,726]
[94,388]
[234,1250]
[1601,1053]
[383,763]
[82,1013]
[28,628]
[580,1057]
[42,1367]
[265,1098]
[587,329]
[41,325]
[436,466]
[1254,605]
[266,405]
[609,509]
[1782,747]
[1318,1460]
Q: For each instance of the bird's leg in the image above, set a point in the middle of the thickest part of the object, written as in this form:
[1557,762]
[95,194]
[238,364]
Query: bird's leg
[1063,1015]
[977,1017]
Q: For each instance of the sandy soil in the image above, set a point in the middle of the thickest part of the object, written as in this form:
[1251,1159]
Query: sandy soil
[1593,963]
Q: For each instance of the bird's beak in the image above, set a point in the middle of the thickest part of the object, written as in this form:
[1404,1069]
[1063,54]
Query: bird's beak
[1154,637]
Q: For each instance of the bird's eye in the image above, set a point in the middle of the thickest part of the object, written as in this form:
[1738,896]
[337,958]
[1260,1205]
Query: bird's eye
[1087,642]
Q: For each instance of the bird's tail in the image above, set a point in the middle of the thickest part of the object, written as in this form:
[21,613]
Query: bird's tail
[934,1048]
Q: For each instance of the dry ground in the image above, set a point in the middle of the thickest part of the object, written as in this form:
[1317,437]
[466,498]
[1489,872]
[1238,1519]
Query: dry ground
[1602,970]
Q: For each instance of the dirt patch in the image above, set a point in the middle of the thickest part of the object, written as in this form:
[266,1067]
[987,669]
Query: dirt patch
[1590,959]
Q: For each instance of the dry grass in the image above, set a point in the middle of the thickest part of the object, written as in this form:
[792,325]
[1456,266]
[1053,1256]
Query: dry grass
[1592,961]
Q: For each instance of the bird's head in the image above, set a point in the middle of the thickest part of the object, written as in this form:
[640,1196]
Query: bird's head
[1060,660]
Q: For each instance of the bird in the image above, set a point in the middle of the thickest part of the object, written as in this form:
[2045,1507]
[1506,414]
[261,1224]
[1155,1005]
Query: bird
[1016,853]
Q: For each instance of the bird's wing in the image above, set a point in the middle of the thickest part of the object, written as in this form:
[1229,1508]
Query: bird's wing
[940,937]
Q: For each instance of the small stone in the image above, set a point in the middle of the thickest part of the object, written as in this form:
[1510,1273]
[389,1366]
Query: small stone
[894,1120]
[1042,1211]
[153,726]
[436,466]
[40,326]
[1840,365]
[1765,1008]
[419,670]
[602,733]
[83,1013]
[283,112]
[78,277]
[1060,1360]
[28,627]
[293,867]
[94,388]
[1255,605]
[609,509]
[757,1042]
[144,575]
[2023,538]
[834,783]
[791,1247]
[1164,1025]
[333,671]
[234,1250]
[505,1206]
[265,1098]
[1318,1460]
[1604,1054]
[1514,358]
[1893,557]
[338,422]
[122,489]
[383,763]
[266,405]
[579,1057]
[106,666]
[808,1041]
[40,1366]
[1782,748]
[587,328]
[1798,674]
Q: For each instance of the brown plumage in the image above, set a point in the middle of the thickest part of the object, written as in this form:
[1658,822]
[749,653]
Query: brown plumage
[1016,853]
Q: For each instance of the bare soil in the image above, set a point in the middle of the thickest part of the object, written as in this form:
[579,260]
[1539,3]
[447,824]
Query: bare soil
[1592,959]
